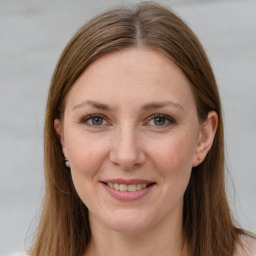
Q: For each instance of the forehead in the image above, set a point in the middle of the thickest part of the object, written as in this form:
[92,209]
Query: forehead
[136,75]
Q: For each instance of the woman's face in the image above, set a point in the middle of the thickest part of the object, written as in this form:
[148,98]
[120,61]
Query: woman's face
[131,134]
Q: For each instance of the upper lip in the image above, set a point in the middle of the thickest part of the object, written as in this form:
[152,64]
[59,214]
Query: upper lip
[128,182]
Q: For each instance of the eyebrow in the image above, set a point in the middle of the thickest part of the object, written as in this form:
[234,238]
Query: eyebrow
[156,105]
[148,106]
[93,103]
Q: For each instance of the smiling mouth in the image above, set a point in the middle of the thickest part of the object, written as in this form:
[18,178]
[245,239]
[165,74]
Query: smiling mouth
[126,187]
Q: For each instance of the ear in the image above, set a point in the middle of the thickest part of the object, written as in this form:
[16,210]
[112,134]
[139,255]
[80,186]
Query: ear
[59,131]
[206,137]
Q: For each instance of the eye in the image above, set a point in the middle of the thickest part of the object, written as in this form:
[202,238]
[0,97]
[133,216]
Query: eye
[95,120]
[161,120]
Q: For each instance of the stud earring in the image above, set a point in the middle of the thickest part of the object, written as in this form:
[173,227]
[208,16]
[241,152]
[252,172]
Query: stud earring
[66,162]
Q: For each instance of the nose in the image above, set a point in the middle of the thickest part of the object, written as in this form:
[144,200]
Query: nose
[127,151]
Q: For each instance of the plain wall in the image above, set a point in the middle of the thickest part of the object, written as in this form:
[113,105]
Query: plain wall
[32,36]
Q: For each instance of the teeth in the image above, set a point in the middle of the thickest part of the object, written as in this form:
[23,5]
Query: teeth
[138,186]
[132,187]
[125,187]
[116,186]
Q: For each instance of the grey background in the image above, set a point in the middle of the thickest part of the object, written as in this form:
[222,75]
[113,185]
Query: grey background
[32,36]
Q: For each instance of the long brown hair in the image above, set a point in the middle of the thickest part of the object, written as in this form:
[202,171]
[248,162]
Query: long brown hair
[208,226]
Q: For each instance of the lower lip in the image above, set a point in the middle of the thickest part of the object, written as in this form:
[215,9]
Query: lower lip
[127,196]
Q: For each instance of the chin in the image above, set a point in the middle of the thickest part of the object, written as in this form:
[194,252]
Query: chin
[128,222]
[128,228]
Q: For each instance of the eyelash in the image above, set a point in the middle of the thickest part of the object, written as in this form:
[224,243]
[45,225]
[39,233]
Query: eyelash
[91,117]
[166,118]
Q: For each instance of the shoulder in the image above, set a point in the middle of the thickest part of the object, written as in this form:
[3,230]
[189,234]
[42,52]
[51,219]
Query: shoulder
[18,254]
[246,246]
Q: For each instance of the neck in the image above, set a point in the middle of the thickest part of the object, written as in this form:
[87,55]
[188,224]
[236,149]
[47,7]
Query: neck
[165,239]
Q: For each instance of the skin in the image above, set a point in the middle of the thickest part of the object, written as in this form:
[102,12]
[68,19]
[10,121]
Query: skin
[128,142]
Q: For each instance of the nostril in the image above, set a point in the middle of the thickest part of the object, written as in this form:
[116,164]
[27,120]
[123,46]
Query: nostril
[127,158]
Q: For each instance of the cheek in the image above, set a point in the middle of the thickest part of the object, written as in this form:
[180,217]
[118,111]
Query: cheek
[173,158]
[86,154]
[175,148]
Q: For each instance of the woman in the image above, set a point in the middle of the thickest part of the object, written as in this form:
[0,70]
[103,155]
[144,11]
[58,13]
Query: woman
[134,147]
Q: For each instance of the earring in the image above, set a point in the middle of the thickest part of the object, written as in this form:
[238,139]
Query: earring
[66,162]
